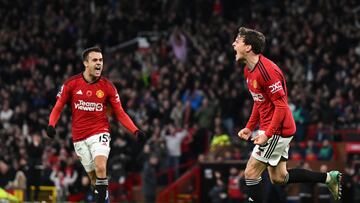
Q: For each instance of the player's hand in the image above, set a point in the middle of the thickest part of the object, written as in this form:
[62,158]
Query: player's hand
[140,137]
[51,132]
[260,139]
[245,133]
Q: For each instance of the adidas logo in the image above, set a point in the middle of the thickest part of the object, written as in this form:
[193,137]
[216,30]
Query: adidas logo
[79,92]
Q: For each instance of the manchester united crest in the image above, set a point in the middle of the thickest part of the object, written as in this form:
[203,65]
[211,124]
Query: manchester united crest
[100,94]
[255,84]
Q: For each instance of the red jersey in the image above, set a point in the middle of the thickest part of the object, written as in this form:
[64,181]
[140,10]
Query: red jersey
[267,86]
[88,105]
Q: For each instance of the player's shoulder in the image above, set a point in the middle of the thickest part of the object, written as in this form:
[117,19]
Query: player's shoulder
[267,68]
[106,82]
[268,64]
[105,79]
[73,79]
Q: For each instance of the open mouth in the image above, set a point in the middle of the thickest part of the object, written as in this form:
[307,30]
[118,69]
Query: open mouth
[236,54]
[97,70]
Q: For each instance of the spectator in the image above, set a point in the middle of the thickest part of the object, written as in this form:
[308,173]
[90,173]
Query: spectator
[218,193]
[356,181]
[321,133]
[179,45]
[235,195]
[300,120]
[6,114]
[149,179]
[177,114]
[7,174]
[220,139]
[348,182]
[19,181]
[35,148]
[86,189]
[205,115]
[62,182]
[173,139]
[326,151]
[311,151]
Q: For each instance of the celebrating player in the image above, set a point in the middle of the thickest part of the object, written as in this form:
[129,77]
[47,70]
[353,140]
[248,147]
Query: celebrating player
[267,86]
[88,93]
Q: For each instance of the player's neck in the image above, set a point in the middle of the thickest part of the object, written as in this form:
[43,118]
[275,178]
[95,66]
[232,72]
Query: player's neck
[89,78]
[251,61]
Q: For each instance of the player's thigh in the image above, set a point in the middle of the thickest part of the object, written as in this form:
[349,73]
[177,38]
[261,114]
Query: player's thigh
[278,173]
[83,152]
[99,144]
[254,168]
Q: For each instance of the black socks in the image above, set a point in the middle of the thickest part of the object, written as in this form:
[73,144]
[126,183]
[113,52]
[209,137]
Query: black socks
[255,190]
[304,176]
[101,187]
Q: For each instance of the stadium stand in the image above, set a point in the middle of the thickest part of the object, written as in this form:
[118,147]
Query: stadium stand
[182,74]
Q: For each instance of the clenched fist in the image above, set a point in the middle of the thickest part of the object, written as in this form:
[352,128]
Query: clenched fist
[245,133]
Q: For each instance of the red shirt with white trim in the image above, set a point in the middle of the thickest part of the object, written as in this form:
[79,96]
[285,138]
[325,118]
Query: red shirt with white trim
[89,106]
[267,85]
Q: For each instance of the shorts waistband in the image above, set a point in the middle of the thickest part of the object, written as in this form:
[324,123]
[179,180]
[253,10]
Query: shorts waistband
[84,138]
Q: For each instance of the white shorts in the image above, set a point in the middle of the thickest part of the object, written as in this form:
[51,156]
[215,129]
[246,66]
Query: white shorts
[91,147]
[275,148]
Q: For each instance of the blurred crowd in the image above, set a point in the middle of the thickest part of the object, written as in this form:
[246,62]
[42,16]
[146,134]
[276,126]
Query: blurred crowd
[182,87]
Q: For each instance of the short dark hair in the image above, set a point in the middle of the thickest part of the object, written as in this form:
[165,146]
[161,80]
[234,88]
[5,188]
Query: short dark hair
[254,38]
[87,51]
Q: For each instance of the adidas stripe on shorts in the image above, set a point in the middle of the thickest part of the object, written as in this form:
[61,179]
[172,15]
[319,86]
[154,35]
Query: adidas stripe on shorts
[271,152]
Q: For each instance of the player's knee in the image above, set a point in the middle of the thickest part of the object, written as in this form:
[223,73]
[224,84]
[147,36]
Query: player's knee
[100,170]
[277,180]
[250,173]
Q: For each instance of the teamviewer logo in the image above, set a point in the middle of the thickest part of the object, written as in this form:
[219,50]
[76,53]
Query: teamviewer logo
[88,106]
[275,87]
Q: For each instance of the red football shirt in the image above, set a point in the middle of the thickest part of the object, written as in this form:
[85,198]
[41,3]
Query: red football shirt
[267,86]
[88,105]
